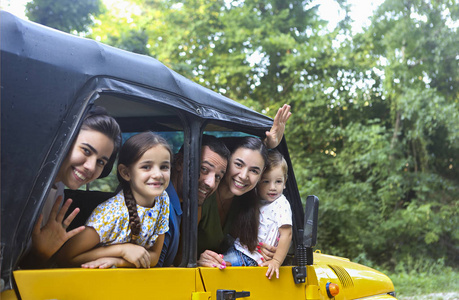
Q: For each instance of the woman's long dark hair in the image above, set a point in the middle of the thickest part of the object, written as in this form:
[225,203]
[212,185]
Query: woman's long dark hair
[246,221]
[130,153]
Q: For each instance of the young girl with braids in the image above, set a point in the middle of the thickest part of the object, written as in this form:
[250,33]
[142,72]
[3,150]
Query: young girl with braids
[128,229]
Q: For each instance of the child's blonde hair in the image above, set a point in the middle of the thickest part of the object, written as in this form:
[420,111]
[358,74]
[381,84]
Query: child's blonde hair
[276,159]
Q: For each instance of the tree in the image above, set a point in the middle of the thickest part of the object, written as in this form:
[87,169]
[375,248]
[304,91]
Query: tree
[394,179]
[66,15]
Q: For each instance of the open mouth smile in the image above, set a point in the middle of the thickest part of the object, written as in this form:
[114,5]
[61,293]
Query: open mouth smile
[239,184]
[79,175]
[155,184]
[202,191]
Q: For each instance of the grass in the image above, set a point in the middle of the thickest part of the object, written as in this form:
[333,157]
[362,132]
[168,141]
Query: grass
[426,284]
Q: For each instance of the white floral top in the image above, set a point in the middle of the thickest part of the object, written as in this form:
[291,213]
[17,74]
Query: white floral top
[111,221]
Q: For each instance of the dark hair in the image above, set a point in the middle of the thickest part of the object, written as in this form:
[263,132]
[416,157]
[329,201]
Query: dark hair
[98,119]
[252,143]
[246,222]
[216,146]
[247,219]
[130,153]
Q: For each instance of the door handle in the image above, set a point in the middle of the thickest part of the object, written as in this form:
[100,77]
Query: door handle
[231,294]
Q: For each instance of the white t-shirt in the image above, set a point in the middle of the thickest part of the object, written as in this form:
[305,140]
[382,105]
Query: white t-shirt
[273,215]
[56,191]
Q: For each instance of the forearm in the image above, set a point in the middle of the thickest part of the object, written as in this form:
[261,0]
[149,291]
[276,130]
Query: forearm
[283,245]
[154,258]
[76,246]
[96,253]
[33,260]
[155,251]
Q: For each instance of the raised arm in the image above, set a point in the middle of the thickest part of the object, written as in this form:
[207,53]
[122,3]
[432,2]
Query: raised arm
[274,136]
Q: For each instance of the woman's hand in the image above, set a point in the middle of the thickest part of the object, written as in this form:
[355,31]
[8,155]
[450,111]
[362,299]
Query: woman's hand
[48,239]
[274,136]
[211,259]
[136,255]
[105,263]
[267,251]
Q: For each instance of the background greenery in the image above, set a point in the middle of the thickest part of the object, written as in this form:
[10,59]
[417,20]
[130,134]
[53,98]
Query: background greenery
[375,129]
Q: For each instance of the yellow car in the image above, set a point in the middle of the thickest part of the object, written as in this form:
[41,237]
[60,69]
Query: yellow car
[49,81]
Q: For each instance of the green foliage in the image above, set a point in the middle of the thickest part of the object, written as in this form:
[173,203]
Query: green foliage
[107,184]
[375,124]
[424,277]
[66,15]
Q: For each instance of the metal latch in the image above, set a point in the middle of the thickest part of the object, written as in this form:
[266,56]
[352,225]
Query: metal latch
[231,294]
[299,274]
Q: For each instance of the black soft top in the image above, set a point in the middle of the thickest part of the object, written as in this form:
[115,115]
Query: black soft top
[48,80]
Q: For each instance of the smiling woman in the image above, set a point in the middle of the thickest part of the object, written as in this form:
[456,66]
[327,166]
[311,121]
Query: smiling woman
[245,166]
[92,155]
[86,160]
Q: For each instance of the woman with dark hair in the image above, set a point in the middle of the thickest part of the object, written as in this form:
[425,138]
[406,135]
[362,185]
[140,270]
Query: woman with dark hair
[234,199]
[91,155]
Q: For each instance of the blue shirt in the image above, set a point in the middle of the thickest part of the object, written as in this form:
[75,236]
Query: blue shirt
[172,237]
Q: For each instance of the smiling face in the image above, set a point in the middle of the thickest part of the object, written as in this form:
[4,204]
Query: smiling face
[149,176]
[212,170]
[244,170]
[272,184]
[86,159]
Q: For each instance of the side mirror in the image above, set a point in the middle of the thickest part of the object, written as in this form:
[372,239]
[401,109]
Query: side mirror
[311,213]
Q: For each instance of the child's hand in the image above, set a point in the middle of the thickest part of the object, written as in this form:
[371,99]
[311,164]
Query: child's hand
[136,255]
[103,263]
[273,267]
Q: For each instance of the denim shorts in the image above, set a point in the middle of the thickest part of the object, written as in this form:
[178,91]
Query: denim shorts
[238,259]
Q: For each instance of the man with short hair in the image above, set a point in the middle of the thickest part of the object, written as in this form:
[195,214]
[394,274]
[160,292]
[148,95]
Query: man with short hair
[214,159]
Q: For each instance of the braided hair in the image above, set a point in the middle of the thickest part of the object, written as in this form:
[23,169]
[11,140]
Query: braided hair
[133,149]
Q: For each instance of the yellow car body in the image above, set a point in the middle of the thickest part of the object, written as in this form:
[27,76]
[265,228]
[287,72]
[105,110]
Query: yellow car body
[355,281]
